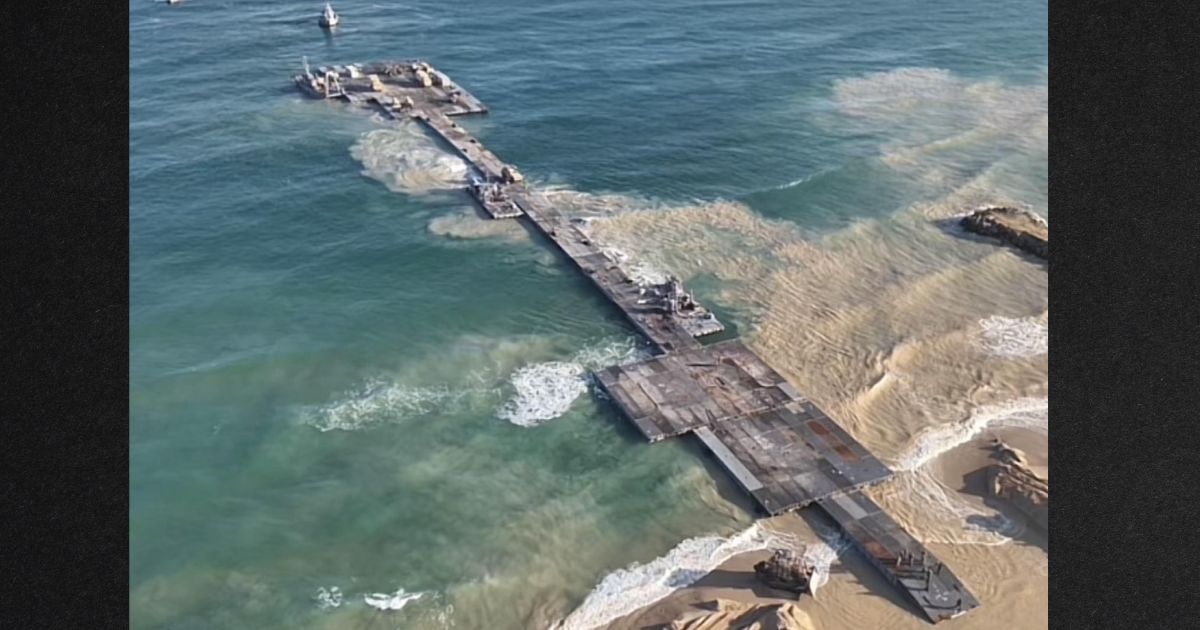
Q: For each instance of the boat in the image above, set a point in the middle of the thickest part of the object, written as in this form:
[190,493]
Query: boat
[329,17]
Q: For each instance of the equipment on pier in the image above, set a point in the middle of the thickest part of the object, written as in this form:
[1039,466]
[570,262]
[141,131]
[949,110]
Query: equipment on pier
[329,18]
[511,175]
[376,83]
[786,571]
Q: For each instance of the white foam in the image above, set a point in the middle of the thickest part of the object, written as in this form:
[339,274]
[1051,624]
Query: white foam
[393,601]
[407,161]
[616,352]
[939,504]
[804,180]
[626,590]
[381,400]
[545,391]
[328,597]
[947,517]
[821,554]
[1030,413]
[1014,337]
[641,271]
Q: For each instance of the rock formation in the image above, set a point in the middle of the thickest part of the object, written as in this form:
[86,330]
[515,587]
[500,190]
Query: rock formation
[1013,479]
[1020,228]
[784,570]
[723,614]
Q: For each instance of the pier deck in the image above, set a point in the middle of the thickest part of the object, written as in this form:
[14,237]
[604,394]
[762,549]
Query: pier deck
[782,450]
[904,561]
[779,447]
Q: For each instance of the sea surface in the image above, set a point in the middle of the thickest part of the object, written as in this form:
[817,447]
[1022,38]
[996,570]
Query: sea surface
[356,404]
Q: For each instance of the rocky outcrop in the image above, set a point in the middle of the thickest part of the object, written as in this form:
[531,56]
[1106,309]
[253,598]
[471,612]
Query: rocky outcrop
[1017,227]
[785,570]
[1013,479]
[723,614]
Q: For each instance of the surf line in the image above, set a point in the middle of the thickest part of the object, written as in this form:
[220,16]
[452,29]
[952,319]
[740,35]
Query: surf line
[779,447]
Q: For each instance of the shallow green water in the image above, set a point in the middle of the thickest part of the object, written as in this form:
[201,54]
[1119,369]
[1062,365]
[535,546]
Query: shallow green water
[322,383]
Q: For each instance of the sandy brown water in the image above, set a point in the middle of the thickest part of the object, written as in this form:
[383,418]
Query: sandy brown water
[342,381]
[920,340]
[880,325]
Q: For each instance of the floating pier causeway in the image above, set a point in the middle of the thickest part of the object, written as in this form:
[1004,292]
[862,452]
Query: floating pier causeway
[779,447]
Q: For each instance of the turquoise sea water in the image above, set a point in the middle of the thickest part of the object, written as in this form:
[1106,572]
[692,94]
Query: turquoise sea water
[328,385]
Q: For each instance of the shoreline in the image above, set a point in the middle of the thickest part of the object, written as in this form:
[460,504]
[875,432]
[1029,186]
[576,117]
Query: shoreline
[856,594]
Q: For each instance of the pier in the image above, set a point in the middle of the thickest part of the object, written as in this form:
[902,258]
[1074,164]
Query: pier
[776,444]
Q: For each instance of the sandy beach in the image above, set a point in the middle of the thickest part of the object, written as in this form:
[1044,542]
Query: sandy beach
[998,573]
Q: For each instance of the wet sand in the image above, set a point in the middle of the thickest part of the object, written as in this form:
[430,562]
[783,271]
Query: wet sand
[893,312]
[921,340]
[1010,577]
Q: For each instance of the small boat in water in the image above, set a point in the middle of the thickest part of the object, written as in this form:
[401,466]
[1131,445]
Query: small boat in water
[329,18]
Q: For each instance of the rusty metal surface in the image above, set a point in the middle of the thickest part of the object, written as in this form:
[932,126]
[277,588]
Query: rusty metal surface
[926,580]
[781,448]
[796,466]
[672,394]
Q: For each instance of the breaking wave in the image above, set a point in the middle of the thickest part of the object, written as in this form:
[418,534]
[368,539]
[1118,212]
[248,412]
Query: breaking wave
[821,554]
[392,601]
[381,400]
[946,516]
[1009,337]
[545,391]
[328,597]
[408,161]
[641,270]
[1025,413]
[626,590]
[933,442]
